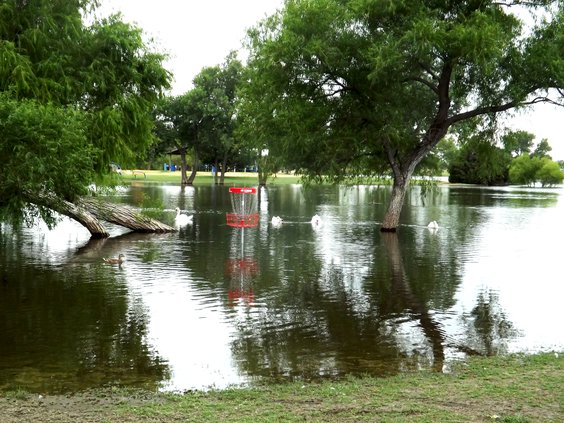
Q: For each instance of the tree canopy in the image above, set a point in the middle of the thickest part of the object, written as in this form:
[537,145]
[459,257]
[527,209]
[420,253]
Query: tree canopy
[73,98]
[203,119]
[348,87]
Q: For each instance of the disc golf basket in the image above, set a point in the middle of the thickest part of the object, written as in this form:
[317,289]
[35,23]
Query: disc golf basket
[244,203]
[244,215]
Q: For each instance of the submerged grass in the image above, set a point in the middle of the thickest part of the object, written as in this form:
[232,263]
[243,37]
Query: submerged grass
[516,388]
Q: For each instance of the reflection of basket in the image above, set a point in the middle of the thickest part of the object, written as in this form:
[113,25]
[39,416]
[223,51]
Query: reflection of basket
[246,266]
[237,294]
[242,220]
[242,272]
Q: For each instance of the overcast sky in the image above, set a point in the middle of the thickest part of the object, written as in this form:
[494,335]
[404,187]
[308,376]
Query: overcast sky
[200,33]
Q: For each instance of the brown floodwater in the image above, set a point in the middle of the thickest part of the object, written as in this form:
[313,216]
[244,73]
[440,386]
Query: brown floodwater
[213,305]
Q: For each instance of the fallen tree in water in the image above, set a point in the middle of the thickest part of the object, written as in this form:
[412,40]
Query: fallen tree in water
[90,211]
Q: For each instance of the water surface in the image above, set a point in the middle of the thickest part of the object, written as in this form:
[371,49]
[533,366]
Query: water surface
[213,306]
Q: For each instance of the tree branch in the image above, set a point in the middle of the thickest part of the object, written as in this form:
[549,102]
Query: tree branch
[426,83]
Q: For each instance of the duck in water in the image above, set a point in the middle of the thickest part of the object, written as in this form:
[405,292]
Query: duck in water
[119,260]
[316,220]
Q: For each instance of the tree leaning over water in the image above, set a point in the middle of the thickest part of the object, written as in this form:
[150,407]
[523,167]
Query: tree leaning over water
[358,87]
[73,98]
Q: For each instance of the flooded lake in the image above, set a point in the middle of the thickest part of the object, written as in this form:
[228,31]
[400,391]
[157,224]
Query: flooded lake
[213,305]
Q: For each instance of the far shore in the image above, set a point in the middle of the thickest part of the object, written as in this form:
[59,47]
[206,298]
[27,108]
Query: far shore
[237,178]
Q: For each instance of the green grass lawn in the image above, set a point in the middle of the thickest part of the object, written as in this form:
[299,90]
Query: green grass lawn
[205,178]
[515,388]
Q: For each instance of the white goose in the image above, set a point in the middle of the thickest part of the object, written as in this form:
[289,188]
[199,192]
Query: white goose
[182,219]
[276,221]
[433,225]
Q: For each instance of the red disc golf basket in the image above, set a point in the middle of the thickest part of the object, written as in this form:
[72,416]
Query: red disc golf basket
[244,202]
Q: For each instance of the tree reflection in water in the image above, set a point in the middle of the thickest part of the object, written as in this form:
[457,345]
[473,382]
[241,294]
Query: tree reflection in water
[489,330]
[316,326]
[77,327]
[401,287]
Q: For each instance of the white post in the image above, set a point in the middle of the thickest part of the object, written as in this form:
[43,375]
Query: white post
[243,226]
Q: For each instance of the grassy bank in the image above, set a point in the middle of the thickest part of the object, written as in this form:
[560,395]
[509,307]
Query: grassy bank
[205,178]
[243,178]
[506,389]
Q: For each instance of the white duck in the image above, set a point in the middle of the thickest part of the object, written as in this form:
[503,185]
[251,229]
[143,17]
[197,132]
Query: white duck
[182,219]
[433,225]
[316,220]
[276,221]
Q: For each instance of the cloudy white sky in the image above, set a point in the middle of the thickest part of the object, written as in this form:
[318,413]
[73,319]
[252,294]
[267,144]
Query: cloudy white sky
[200,33]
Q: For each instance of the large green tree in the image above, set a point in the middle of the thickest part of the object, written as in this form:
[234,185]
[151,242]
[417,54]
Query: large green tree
[202,121]
[218,85]
[73,98]
[517,142]
[347,87]
[481,162]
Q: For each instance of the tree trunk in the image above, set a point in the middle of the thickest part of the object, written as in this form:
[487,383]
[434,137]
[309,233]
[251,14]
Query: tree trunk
[74,211]
[88,211]
[122,215]
[183,167]
[402,172]
[195,164]
[223,170]
[262,177]
[216,173]
[392,216]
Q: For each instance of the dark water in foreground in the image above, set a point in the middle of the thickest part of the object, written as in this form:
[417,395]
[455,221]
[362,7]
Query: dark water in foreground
[209,307]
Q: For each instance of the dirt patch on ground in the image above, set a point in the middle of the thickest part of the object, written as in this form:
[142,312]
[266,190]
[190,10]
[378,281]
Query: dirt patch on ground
[87,407]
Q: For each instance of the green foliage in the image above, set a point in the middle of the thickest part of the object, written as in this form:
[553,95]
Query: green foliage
[528,169]
[73,98]
[550,174]
[203,119]
[480,162]
[542,149]
[523,170]
[518,142]
[44,149]
[340,88]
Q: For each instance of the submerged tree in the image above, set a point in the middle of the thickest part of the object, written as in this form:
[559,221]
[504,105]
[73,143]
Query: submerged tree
[73,98]
[342,87]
